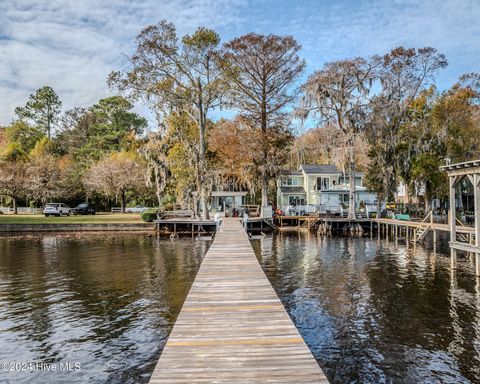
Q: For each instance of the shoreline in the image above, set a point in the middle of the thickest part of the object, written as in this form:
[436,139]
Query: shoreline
[75,227]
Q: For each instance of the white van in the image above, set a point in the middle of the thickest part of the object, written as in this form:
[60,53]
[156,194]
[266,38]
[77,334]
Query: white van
[56,209]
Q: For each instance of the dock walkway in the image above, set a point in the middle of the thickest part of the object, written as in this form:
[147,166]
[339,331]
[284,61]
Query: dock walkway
[232,327]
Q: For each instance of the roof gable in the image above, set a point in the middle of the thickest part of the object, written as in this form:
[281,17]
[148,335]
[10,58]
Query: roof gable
[328,169]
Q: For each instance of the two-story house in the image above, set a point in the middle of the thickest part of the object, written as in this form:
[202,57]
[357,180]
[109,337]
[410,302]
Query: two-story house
[322,186]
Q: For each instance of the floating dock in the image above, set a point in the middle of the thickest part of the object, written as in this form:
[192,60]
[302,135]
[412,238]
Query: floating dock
[232,327]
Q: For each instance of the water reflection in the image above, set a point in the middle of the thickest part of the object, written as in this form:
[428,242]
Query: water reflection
[378,312]
[107,302]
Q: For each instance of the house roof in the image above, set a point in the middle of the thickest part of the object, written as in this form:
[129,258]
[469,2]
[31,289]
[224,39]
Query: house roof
[328,169]
[287,172]
[292,190]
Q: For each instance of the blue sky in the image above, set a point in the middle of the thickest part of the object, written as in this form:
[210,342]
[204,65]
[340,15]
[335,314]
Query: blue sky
[72,45]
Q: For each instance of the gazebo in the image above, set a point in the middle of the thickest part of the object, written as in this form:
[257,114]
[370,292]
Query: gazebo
[456,173]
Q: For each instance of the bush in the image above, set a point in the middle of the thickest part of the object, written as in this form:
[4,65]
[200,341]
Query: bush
[149,215]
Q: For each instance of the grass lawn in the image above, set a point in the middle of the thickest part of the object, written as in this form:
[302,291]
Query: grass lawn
[99,218]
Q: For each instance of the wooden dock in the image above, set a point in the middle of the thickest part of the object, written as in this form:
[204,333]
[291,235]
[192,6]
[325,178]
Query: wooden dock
[232,327]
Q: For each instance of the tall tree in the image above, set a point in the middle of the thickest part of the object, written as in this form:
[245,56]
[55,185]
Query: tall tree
[339,93]
[115,124]
[328,145]
[176,77]
[42,109]
[262,70]
[235,144]
[403,74]
[108,126]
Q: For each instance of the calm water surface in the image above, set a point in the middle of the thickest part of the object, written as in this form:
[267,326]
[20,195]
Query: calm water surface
[376,312]
[371,312]
[107,302]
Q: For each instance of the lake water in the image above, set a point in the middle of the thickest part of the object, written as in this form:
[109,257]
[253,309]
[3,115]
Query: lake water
[371,312]
[105,302]
[377,312]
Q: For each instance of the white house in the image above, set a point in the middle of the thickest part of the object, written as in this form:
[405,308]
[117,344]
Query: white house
[320,188]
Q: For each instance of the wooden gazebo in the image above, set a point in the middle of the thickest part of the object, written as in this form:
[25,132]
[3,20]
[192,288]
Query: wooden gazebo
[456,173]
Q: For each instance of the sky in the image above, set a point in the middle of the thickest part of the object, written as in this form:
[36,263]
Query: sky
[72,45]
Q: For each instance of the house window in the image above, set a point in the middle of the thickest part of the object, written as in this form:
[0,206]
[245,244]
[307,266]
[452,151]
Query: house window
[296,200]
[322,184]
[291,182]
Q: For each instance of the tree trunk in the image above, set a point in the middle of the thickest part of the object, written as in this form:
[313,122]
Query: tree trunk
[264,191]
[123,201]
[427,204]
[379,206]
[203,202]
[264,123]
[202,163]
[15,208]
[352,199]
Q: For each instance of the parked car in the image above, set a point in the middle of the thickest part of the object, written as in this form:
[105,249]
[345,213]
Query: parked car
[56,209]
[136,209]
[84,209]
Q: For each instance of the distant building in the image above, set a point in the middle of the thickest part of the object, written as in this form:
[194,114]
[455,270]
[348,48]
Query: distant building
[227,200]
[320,186]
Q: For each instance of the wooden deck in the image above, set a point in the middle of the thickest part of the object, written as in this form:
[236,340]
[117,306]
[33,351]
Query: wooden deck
[418,224]
[232,327]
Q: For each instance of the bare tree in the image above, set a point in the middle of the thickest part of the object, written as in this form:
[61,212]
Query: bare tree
[328,144]
[13,181]
[339,93]
[262,70]
[46,178]
[115,175]
[184,78]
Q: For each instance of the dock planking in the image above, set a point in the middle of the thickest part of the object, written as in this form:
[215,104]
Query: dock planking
[232,327]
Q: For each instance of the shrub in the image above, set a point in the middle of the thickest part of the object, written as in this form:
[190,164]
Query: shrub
[149,215]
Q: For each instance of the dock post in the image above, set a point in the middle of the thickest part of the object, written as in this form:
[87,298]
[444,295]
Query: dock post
[452,213]
[476,202]
[434,237]
[453,258]
[407,233]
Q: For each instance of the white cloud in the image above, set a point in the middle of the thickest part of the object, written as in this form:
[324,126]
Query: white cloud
[72,45]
